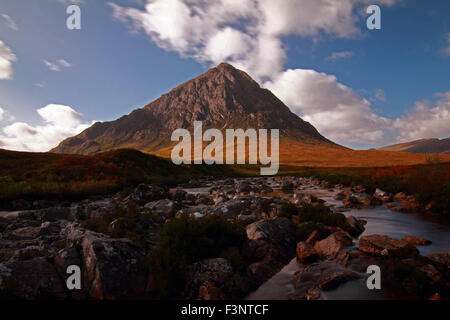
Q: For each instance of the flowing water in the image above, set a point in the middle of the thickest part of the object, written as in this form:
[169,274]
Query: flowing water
[380,220]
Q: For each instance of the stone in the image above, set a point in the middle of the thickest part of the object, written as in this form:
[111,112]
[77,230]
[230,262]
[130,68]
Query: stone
[279,231]
[330,246]
[146,193]
[417,241]
[375,244]
[306,253]
[164,208]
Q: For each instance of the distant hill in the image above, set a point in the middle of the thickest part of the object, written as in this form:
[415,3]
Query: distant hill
[426,146]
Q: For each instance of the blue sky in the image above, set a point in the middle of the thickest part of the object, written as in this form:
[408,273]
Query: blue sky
[382,86]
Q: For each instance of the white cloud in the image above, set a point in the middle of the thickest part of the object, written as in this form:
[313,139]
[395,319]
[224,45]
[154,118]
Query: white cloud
[249,35]
[333,108]
[7,57]
[2,113]
[339,55]
[380,95]
[9,22]
[426,120]
[60,122]
[56,66]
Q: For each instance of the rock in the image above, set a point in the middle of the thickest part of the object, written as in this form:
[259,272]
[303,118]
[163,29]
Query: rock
[146,193]
[417,241]
[400,196]
[31,280]
[246,219]
[112,268]
[375,244]
[351,202]
[330,246]
[164,208]
[442,259]
[341,196]
[54,214]
[357,226]
[320,276]
[244,187]
[433,275]
[178,195]
[306,253]
[313,237]
[26,233]
[231,208]
[435,296]
[286,186]
[278,231]
[382,196]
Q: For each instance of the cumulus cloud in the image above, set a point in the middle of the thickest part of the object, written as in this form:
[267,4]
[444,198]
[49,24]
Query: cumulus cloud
[249,34]
[56,66]
[7,57]
[339,55]
[59,123]
[333,108]
[9,22]
[2,113]
[426,120]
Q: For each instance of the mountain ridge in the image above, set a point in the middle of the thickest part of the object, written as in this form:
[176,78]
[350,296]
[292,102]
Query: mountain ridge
[223,97]
[425,146]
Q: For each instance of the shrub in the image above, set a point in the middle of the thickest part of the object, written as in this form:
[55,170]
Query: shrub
[184,241]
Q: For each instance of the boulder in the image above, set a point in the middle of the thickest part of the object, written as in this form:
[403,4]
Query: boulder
[357,226]
[440,259]
[164,208]
[146,193]
[112,268]
[25,233]
[417,241]
[244,187]
[306,253]
[382,196]
[278,231]
[287,186]
[31,279]
[54,214]
[384,245]
[330,246]
[247,219]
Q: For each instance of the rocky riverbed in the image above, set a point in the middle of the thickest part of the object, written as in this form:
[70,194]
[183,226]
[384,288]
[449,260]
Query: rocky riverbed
[287,228]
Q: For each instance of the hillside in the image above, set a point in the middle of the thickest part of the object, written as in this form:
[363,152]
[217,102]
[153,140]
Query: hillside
[422,146]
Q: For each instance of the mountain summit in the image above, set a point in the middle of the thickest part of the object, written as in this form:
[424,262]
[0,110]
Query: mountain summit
[223,97]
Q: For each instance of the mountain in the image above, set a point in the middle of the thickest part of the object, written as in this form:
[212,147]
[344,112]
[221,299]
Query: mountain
[223,97]
[422,146]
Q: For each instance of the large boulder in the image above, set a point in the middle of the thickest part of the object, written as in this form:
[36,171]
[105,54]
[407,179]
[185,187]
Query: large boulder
[278,231]
[330,246]
[54,214]
[384,245]
[31,279]
[417,241]
[112,268]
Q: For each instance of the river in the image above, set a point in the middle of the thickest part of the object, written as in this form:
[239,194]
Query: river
[380,220]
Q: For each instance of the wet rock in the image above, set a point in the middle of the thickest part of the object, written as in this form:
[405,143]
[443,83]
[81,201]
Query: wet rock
[321,276]
[330,246]
[433,275]
[313,237]
[341,195]
[400,196]
[382,196]
[417,241]
[306,253]
[178,195]
[384,245]
[357,226]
